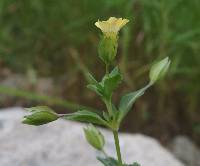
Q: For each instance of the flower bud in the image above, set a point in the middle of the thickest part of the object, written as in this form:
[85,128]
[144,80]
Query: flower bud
[94,137]
[40,115]
[109,41]
[108,48]
[159,69]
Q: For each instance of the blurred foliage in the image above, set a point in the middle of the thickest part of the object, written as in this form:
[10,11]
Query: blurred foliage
[59,37]
[36,33]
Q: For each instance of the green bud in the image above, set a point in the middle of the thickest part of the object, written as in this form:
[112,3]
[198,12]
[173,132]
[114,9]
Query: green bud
[108,48]
[40,115]
[94,137]
[159,69]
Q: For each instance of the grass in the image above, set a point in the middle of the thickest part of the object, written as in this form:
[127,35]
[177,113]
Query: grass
[50,100]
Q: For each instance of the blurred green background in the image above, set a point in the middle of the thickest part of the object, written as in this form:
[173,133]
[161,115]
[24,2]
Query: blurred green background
[47,47]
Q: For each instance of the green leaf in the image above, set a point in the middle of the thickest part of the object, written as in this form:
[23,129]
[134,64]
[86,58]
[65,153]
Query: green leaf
[135,164]
[96,89]
[92,80]
[111,81]
[108,161]
[95,85]
[86,116]
[106,116]
[159,69]
[128,100]
[40,115]
[108,84]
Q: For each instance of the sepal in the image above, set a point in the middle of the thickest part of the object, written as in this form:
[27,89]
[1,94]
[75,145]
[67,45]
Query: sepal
[40,115]
[159,69]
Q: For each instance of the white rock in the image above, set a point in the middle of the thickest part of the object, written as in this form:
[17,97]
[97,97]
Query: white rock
[61,143]
[184,149]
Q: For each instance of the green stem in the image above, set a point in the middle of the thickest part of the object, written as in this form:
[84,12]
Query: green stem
[109,107]
[116,137]
[107,68]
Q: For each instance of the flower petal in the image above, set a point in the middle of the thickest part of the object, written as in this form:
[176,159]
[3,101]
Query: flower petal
[112,25]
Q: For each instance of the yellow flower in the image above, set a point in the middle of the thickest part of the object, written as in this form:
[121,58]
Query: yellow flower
[109,40]
[112,25]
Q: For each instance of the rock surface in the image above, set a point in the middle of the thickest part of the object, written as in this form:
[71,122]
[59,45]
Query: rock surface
[61,143]
[184,149]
